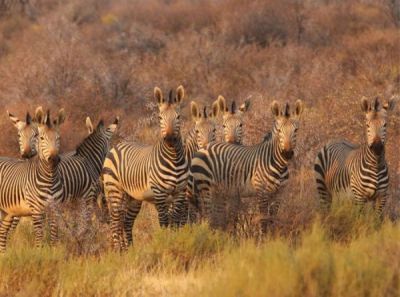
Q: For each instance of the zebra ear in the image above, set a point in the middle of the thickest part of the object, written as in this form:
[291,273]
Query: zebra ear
[215,109]
[245,106]
[364,104]
[299,107]
[89,125]
[60,118]
[113,127]
[194,110]
[222,103]
[180,93]
[16,122]
[158,95]
[275,108]
[390,104]
[39,115]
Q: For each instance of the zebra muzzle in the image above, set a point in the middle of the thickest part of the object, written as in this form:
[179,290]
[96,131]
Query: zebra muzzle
[54,160]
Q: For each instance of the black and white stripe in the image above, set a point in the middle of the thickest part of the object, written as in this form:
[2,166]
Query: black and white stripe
[80,170]
[148,173]
[341,166]
[259,169]
[27,188]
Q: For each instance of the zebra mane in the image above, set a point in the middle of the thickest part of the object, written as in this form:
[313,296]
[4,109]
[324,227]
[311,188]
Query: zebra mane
[233,107]
[286,112]
[267,137]
[205,112]
[90,137]
[376,104]
[28,119]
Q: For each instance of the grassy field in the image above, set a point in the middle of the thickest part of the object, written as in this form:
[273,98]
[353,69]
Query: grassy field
[346,254]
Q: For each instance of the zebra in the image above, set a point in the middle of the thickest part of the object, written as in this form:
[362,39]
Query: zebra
[27,135]
[362,169]
[80,169]
[203,133]
[259,169]
[27,187]
[232,120]
[204,130]
[148,172]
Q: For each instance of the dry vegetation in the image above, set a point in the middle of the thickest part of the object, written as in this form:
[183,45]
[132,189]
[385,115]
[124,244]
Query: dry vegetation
[103,58]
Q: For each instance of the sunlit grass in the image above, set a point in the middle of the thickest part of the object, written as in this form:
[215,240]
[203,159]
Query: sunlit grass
[344,254]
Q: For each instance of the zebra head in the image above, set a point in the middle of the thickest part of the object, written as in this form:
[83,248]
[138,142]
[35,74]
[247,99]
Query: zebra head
[286,125]
[169,113]
[232,120]
[204,123]
[375,120]
[101,135]
[27,135]
[49,136]
[108,131]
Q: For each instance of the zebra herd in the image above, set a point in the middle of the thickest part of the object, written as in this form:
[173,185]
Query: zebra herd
[179,175]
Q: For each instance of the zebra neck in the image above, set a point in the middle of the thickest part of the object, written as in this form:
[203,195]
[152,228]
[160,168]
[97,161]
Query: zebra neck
[370,158]
[47,171]
[191,145]
[174,149]
[94,149]
[274,155]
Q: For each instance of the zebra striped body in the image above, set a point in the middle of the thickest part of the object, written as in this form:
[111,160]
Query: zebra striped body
[80,170]
[342,166]
[147,173]
[28,187]
[260,169]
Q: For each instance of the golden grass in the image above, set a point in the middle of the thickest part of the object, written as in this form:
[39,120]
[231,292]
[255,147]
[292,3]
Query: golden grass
[198,261]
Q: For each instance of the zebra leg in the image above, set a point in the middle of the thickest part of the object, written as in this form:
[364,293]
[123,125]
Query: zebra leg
[117,213]
[133,208]
[219,212]
[359,200]
[162,207]
[38,219]
[233,210]
[5,225]
[266,208]
[380,203]
[53,227]
[14,225]
[325,196]
[178,209]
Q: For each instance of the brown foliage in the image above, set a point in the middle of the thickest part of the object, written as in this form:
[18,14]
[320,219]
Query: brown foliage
[102,59]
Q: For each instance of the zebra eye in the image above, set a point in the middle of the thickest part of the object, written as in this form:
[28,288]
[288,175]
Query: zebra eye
[197,131]
[240,125]
[178,117]
[214,130]
[223,126]
[41,138]
[160,118]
